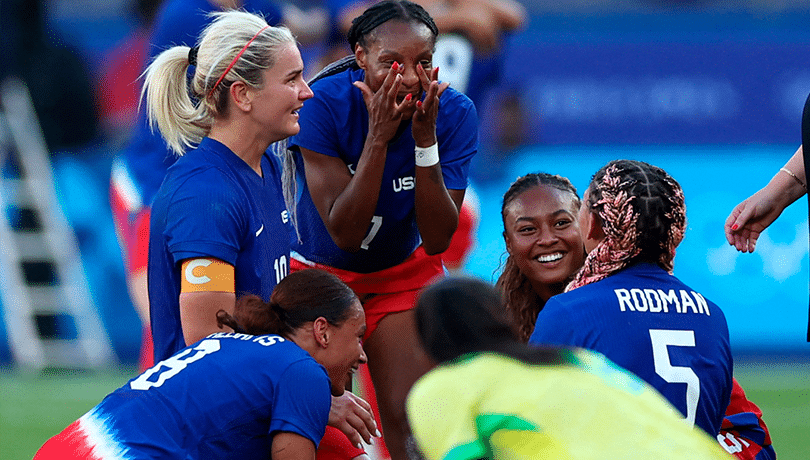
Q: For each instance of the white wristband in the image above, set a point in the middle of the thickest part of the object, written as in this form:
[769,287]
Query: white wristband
[427,156]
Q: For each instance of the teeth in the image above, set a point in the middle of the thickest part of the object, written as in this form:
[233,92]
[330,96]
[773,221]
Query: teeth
[549,257]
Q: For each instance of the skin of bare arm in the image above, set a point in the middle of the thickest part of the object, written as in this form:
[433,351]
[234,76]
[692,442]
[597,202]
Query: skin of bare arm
[198,313]
[749,218]
[291,446]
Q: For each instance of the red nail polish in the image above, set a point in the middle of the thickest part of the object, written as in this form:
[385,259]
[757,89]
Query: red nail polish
[408,97]
[419,104]
[735,227]
[395,65]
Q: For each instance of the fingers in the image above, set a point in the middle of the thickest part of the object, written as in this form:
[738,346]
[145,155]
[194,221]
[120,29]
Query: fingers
[352,415]
[738,233]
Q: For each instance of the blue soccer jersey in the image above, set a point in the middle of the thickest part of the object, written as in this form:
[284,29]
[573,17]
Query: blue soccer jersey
[179,22]
[655,326]
[223,397]
[212,204]
[335,123]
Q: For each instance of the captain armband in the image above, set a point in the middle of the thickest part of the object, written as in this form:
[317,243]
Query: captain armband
[206,275]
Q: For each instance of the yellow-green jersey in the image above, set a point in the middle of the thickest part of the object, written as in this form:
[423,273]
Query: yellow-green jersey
[489,405]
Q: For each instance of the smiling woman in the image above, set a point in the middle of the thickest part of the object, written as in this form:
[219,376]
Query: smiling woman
[260,392]
[543,241]
[220,208]
[386,149]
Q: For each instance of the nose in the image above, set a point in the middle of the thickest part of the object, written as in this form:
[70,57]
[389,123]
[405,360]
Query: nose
[363,358]
[410,77]
[306,92]
[546,237]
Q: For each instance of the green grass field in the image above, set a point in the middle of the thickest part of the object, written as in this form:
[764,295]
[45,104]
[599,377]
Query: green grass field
[34,407]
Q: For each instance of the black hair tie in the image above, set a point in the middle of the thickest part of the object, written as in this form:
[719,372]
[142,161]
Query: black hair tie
[192,55]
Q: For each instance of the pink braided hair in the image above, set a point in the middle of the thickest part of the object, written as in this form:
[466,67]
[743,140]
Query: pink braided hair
[614,205]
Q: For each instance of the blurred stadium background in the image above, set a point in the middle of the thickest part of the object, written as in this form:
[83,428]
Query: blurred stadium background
[710,90]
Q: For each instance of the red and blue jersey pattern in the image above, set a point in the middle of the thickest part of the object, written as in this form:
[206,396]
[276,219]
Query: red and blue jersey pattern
[223,397]
[744,433]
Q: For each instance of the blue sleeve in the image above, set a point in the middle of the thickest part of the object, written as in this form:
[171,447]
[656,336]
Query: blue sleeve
[555,326]
[205,220]
[458,141]
[303,400]
[318,132]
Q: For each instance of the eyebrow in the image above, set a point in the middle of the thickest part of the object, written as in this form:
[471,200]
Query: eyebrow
[295,72]
[553,214]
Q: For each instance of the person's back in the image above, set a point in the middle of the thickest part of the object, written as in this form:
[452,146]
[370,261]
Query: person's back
[661,330]
[228,414]
[625,302]
[489,405]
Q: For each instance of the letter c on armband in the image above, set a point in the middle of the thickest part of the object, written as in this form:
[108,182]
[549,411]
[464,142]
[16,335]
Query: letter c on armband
[207,275]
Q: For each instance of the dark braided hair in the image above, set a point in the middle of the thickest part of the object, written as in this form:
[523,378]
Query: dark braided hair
[383,12]
[643,218]
[520,299]
[301,297]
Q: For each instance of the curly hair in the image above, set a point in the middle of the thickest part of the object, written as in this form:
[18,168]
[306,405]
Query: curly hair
[643,216]
[520,299]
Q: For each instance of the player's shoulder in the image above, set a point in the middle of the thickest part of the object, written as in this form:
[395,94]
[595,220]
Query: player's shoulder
[453,99]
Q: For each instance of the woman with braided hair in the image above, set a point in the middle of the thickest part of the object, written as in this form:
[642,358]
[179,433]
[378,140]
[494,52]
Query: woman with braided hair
[545,251]
[386,149]
[626,304]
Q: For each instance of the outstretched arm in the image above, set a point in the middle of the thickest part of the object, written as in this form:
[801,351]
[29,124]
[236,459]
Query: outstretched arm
[757,212]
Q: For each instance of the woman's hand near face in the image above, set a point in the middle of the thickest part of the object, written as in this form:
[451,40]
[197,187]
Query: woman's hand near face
[384,113]
[424,118]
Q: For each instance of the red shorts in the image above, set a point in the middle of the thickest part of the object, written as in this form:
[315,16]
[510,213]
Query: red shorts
[131,222]
[336,446]
[392,290]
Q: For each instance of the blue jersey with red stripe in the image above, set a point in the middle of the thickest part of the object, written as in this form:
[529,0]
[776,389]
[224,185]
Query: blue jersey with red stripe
[212,204]
[649,322]
[335,123]
[744,433]
[179,22]
[223,397]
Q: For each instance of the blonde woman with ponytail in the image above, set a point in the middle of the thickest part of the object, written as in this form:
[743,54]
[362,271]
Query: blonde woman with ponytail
[218,225]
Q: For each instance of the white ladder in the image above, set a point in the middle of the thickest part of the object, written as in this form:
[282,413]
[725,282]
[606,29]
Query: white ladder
[51,320]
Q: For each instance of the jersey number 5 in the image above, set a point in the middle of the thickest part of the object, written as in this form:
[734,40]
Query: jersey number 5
[661,339]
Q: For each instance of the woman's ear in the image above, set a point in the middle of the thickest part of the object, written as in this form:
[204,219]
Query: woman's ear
[242,95]
[593,231]
[320,332]
[360,56]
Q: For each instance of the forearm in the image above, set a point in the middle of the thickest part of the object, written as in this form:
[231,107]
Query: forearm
[436,211]
[786,186]
[353,209]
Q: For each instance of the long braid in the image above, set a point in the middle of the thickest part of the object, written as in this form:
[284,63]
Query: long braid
[521,301]
[643,218]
